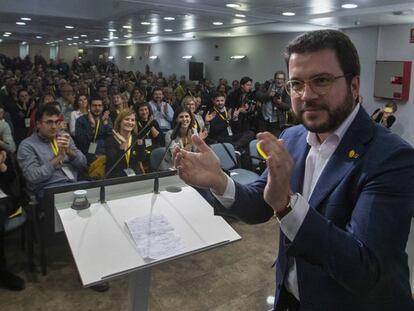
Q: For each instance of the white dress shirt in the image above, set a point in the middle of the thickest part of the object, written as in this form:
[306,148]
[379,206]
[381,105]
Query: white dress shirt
[318,156]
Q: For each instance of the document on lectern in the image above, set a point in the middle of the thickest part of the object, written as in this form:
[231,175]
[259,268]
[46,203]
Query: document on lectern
[155,237]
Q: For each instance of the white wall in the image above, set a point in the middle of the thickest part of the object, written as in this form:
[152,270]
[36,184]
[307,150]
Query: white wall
[393,44]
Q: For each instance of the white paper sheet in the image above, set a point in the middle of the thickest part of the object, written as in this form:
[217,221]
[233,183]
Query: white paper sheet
[155,237]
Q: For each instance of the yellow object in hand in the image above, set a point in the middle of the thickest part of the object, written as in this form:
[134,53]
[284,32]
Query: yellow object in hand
[261,152]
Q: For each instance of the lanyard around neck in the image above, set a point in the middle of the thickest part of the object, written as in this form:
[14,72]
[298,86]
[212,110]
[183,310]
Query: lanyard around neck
[221,115]
[54,146]
[128,154]
[98,123]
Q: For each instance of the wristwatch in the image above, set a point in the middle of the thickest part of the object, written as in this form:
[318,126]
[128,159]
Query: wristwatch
[282,213]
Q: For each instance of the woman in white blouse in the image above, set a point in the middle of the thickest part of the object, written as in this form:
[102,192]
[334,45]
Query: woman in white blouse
[82,108]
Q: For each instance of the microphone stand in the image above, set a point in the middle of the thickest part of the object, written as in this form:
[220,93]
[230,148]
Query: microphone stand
[102,194]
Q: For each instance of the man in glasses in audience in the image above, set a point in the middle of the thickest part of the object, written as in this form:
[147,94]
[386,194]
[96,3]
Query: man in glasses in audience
[339,185]
[49,156]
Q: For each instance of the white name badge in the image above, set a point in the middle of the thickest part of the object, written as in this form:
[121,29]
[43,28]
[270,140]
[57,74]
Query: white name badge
[67,171]
[92,148]
[229,131]
[27,122]
[148,142]
[129,172]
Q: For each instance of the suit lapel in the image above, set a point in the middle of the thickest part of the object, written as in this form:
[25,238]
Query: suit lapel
[299,152]
[350,150]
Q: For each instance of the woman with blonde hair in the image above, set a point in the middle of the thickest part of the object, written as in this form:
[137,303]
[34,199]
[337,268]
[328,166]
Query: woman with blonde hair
[123,135]
[190,103]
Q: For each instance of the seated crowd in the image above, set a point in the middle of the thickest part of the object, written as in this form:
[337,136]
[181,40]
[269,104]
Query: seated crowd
[61,124]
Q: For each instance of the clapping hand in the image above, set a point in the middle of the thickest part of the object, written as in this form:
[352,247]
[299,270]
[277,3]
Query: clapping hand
[121,140]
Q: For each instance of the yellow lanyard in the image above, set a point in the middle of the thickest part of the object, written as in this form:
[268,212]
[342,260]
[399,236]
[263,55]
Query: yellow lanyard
[128,154]
[97,129]
[195,124]
[55,148]
[221,116]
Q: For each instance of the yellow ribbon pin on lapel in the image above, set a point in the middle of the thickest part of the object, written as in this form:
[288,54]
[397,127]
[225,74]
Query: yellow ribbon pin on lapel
[260,151]
[353,154]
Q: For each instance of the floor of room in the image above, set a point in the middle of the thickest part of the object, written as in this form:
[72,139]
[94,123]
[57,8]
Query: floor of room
[238,277]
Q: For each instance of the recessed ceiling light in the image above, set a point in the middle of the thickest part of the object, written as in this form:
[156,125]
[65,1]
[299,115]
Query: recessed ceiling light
[39,37]
[111,29]
[70,44]
[86,42]
[75,37]
[217,23]
[349,6]
[187,56]
[128,36]
[169,18]
[114,38]
[25,18]
[237,56]
[128,57]
[168,30]
[69,39]
[233,5]
[110,57]
[145,23]
[20,23]
[97,40]
[7,33]
[153,57]
[240,15]
[127,27]
[69,27]
[105,39]
[151,32]
[83,36]
[288,13]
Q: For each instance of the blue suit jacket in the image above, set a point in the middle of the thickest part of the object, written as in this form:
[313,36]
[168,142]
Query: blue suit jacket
[350,249]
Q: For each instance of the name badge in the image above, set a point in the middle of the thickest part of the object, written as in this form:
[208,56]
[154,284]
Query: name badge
[229,131]
[148,142]
[92,148]
[27,122]
[129,172]
[68,172]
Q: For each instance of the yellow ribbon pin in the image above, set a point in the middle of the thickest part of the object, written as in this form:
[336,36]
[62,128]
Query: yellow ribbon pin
[260,151]
[353,154]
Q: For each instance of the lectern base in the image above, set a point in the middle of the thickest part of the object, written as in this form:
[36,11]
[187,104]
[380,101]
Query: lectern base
[138,289]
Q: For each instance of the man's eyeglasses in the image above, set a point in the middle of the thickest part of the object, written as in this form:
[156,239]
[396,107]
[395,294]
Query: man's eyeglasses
[50,123]
[320,85]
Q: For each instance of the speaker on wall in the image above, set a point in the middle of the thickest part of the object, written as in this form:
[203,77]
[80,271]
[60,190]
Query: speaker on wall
[195,71]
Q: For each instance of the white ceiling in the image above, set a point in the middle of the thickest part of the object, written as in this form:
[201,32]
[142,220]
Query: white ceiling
[193,19]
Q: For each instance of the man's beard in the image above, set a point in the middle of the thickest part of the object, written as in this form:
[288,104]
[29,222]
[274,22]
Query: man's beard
[335,118]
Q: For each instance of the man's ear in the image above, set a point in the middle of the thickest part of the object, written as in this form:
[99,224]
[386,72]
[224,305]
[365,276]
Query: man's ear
[355,84]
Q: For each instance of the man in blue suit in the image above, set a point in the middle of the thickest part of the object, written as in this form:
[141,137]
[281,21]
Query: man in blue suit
[341,187]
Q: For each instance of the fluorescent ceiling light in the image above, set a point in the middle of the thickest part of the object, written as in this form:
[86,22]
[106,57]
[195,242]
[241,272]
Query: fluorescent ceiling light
[97,40]
[83,36]
[151,32]
[153,57]
[39,37]
[70,44]
[114,38]
[25,18]
[111,29]
[69,39]
[129,57]
[110,57]
[86,42]
[128,36]
[233,5]
[127,27]
[145,23]
[75,37]
[168,30]
[217,23]
[240,15]
[349,6]
[169,18]
[7,33]
[237,56]
[288,13]
[20,23]
[187,56]
[69,27]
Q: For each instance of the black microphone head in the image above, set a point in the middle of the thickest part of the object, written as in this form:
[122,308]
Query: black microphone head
[176,131]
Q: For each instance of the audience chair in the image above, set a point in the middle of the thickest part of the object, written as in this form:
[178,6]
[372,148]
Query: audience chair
[156,157]
[228,162]
[257,163]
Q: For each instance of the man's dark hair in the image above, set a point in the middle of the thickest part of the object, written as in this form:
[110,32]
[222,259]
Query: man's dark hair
[156,89]
[95,98]
[214,95]
[279,72]
[244,80]
[328,39]
[48,109]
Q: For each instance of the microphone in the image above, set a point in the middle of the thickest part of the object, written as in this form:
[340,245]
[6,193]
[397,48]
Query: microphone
[173,136]
[140,134]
